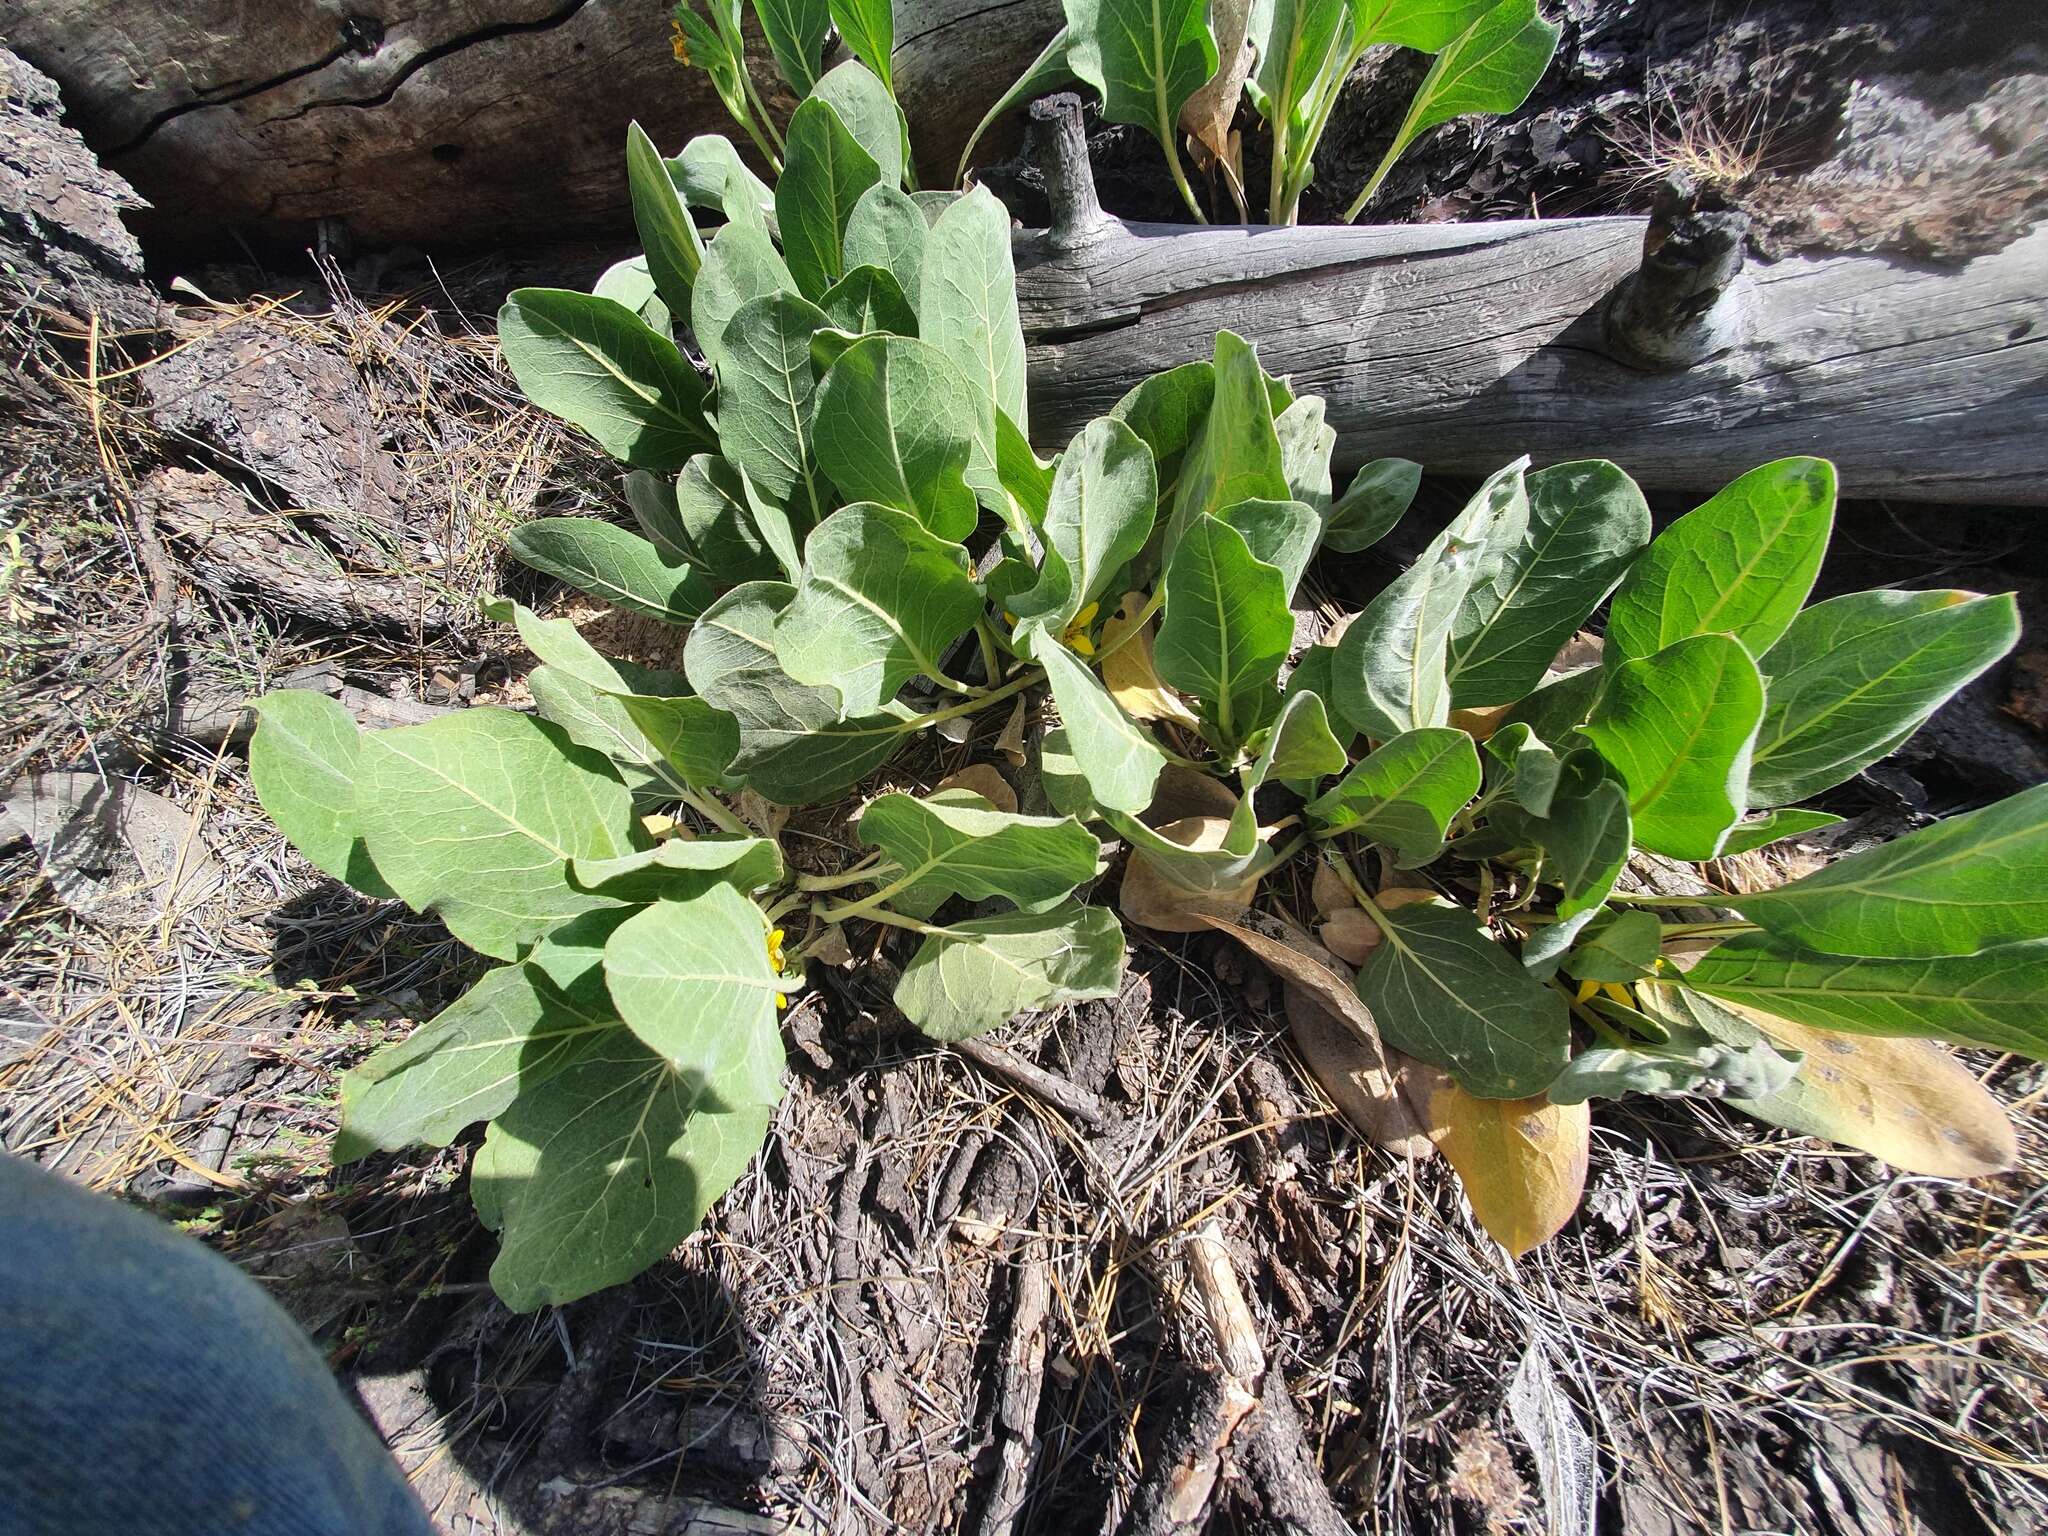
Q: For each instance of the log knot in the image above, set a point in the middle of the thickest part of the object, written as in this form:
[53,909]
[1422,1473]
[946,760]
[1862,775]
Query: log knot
[1683,304]
[1056,141]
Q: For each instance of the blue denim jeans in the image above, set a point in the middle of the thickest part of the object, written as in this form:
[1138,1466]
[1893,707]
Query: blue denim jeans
[149,1388]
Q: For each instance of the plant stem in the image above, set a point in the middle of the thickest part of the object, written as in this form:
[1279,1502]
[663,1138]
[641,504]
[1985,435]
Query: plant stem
[754,97]
[716,814]
[1704,899]
[883,916]
[867,872]
[866,905]
[1290,848]
[1180,177]
[991,658]
[1014,686]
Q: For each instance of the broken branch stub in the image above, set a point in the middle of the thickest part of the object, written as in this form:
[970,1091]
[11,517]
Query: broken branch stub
[1060,147]
[1684,304]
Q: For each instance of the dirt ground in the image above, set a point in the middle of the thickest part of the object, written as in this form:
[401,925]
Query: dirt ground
[938,1301]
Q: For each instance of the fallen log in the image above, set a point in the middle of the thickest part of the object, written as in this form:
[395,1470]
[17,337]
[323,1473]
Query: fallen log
[1462,345]
[1650,342]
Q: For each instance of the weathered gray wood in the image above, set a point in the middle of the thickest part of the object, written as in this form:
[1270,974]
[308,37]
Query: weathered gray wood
[456,121]
[1463,345]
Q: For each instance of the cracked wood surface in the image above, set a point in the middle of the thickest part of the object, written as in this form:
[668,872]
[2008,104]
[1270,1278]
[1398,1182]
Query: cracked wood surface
[476,120]
[1459,345]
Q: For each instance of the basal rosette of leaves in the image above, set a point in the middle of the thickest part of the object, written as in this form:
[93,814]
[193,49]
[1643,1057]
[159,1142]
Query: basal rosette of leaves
[836,498]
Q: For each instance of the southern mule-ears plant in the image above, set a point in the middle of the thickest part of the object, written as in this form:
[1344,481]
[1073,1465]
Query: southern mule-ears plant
[841,507]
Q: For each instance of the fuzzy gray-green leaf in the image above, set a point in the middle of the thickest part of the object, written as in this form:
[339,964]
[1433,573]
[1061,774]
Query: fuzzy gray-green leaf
[978,974]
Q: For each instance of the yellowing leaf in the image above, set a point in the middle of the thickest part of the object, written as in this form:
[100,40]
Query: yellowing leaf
[1350,934]
[1906,1101]
[985,780]
[1133,681]
[1522,1161]
[1374,1087]
[1152,901]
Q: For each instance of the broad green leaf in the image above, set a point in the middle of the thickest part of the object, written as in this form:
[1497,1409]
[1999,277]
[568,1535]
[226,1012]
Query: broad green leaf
[1741,564]
[652,498]
[1390,668]
[1168,410]
[1678,727]
[1618,945]
[1403,795]
[683,741]
[1774,826]
[1097,517]
[1561,704]
[1907,1101]
[740,265]
[1042,76]
[1968,883]
[1429,26]
[475,817]
[692,979]
[681,867]
[1197,858]
[1689,1062]
[467,1063]
[667,232]
[1490,67]
[880,600]
[868,27]
[1298,746]
[596,365]
[630,284]
[1996,998]
[975,975]
[974,851]
[701,747]
[1371,504]
[1855,674]
[1294,38]
[1226,629]
[1114,755]
[1281,533]
[712,508]
[887,230]
[766,397]
[1025,478]
[1144,58]
[870,114]
[1587,522]
[1584,842]
[1306,443]
[824,174]
[1234,452]
[1440,988]
[967,306]
[795,30]
[1522,1161]
[597,1172]
[730,661]
[897,423]
[302,760]
[606,561]
[710,174]
[866,301]
[1532,767]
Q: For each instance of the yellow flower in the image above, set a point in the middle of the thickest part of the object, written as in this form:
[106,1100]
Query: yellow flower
[775,959]
[1076,638]
[679,43]
[1618,991]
